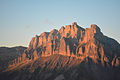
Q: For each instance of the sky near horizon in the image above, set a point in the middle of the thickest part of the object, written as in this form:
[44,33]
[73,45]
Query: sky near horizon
[20,20]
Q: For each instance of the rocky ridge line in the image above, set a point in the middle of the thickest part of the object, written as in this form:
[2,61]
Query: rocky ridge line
[74,41]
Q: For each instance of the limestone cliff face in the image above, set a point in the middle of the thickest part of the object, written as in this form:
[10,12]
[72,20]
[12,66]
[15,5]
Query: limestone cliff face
[75,41]
[58,42]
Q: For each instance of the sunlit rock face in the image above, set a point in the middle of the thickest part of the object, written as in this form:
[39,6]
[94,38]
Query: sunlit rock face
[53,42]
[71,52]
[75,41]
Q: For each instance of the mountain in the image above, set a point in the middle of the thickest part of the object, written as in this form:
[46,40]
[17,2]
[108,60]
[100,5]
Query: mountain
[71,53]
[8,54]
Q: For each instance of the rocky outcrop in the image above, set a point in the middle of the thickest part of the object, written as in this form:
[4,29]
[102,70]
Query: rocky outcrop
[71,53]
[74,41]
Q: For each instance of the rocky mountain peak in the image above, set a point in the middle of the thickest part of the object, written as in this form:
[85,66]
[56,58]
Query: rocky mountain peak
[74,41]
[69,53]
[95,28]
[62,29]
[74,23]
[54,31]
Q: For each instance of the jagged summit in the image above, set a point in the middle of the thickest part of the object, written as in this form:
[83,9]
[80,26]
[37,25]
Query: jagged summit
[71,48]
[74,23]
[73,40]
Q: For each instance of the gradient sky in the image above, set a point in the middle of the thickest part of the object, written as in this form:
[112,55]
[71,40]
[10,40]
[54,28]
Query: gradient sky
[20,20]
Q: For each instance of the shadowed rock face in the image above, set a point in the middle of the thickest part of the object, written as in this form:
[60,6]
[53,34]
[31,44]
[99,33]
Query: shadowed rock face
[72,50]
[9,54]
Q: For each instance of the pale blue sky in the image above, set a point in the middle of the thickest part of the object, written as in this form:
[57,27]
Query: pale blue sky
[20,20]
